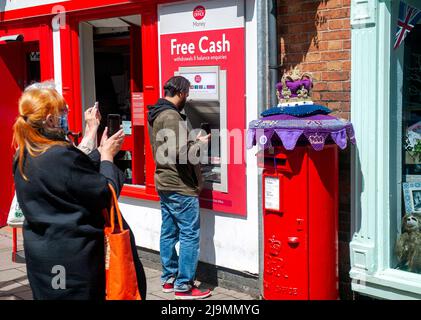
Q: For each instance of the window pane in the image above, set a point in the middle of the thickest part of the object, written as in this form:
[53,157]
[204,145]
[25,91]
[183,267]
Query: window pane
[408,245]
[110,55]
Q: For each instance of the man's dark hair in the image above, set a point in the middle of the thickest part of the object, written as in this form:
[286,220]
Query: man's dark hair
[176,85]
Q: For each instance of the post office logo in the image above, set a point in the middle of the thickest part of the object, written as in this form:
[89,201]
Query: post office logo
[199,12]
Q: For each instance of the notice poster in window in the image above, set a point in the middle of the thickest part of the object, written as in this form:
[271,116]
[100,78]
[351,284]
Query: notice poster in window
[272,193]
[138,109]
[127,127]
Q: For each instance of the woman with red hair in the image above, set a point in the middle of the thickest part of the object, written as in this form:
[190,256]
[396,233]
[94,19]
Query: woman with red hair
[62,193]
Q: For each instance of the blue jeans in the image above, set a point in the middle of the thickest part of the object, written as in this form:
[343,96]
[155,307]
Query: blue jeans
[180,222]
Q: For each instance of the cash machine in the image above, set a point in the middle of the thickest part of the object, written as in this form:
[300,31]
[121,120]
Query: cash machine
[207,103]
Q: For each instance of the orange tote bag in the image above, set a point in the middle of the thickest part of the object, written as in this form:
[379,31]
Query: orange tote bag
[120,272]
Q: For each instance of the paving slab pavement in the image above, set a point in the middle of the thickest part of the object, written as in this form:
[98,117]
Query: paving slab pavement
[14,284]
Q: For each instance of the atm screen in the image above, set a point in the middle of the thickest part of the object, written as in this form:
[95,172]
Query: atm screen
[203,83]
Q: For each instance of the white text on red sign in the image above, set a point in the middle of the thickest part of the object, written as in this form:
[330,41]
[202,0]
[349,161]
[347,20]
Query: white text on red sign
[205,46]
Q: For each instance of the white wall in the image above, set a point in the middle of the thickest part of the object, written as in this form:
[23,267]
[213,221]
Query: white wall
[226,240]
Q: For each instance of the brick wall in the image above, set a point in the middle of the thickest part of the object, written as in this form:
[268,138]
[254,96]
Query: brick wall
[315,36]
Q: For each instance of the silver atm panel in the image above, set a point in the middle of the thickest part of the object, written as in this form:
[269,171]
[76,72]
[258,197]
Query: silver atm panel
[208,103]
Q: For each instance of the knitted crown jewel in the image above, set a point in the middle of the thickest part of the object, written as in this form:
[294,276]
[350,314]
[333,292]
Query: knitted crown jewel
[294,88]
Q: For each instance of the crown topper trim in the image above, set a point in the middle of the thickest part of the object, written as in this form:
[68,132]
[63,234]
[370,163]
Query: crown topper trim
[295,88]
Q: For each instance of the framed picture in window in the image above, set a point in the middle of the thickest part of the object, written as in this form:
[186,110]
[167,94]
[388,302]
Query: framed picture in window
[412,196]
[413,178]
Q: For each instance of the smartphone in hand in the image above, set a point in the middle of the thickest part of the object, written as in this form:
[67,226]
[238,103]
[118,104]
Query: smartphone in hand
[113,124]
[205,127]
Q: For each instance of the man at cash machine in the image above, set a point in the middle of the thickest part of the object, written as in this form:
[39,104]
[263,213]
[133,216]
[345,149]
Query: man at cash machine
[178,183]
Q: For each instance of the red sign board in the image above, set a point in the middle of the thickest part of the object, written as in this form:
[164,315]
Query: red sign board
[212,36]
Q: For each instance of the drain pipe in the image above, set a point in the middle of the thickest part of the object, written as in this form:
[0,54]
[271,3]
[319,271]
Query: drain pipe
[273,51]
[262,95]
[267,77]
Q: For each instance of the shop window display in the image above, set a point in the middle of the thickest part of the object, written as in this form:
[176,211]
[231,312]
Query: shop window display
[408,243]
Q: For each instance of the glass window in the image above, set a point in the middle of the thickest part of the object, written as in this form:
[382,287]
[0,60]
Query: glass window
[33,67]
[406,254]
[110,51]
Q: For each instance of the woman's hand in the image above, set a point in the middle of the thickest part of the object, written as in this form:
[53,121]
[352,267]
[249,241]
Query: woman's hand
[92,119]
[110,146]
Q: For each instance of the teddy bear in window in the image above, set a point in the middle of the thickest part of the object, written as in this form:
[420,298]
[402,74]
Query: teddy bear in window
[408,246]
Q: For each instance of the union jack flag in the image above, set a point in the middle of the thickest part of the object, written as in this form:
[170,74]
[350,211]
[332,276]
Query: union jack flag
[408,17]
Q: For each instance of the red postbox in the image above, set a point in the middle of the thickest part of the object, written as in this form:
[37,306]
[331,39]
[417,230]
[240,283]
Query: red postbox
[300,208]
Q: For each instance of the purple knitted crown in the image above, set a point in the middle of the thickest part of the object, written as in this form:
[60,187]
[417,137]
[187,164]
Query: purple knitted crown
[294,88]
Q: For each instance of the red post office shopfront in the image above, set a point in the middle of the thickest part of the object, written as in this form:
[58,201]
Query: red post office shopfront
[119,53]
